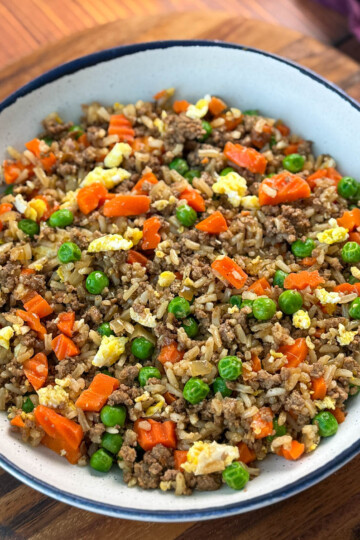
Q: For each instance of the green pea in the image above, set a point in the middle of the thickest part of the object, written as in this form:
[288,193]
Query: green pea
[96,282]
[179,307]
[251,112]
[248,303]
[279,278]
[190,175]
[352,280]
[8,190]
[47,140]
[77,130]
[195,390]
[303,249]
[105,330]
[236,475]
[148,372]
[226,171]
[326,423]
[290,302]
[69,252]
[186,215]
[142,348]
[178,164]
[29,227]
[279,430]
[208,130]
[219,385]
[113,415]
[235,300]
[27,405]
[348,188]
[191,327]
[112,442]
[354,309]
[293,163]
[61,218]
[263,309]
[101,461]
[230,368]
[350,253]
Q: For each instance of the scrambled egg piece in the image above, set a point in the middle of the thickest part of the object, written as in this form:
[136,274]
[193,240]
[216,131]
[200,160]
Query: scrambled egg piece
[160,125]
[145,318]
[206,458]
[233,309]
[53,396]
[110,350]
[110,242]
[70,201]
[250,202]
[200,109]
[117,153]
[133,235]
[109,177]
[6,334]
[326,403]
[20,204]
[326,297]
[35,210]
[233,185]
[345,337]
[166,279]
[301,319]
[153,409]
[333,235]
[355,272]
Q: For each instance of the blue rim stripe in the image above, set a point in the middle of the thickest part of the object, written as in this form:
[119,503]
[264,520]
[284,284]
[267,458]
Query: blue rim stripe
[188,515]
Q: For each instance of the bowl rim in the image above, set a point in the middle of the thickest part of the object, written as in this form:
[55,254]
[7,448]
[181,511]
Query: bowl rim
[189,515]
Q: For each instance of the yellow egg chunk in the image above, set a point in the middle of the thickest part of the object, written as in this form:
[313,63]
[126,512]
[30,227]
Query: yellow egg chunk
[110,350]
[36,209]
[166,279]
[301,319]
[108,177]
[250,202]
[345,337]
[133,235]
[110,242]
[53,396]
[117,153]
[207,458]
[326,297]
[233,185]
[326,403]
[333,235]
[145,318]
[6,334]
[199,110]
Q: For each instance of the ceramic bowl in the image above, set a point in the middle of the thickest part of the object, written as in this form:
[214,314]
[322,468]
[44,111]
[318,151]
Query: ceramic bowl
[246,78]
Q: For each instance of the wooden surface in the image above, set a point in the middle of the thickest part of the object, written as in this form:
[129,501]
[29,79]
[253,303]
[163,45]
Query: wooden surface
[326,511]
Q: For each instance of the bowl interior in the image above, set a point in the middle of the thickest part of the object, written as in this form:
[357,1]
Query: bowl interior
[245,79]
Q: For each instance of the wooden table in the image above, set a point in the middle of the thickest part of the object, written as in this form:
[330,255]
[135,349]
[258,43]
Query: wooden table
[326,511]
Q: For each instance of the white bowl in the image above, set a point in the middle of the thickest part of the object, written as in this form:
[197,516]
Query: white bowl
[245,78]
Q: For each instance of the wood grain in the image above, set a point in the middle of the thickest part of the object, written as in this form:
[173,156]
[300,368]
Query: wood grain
[326,511]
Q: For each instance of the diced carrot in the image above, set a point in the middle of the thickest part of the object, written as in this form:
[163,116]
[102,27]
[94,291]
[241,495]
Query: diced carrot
[12,169]
[159,433]
[194,199]
[354,237]
[230,271]
[57,426]
[301,280]
[297,449]
[350,219]
[216,106]
[291,149]
[339,415]
[27,271]
[33,321]
[287,187]
[295,353]
[66,322]
[90,197]
[127,205]
[255,362]
[319,332]
[149,178]
[36,370]
[348,288]
[308,261]
[99,391]
[170,353]
[262,423]
[213,224]
[179,458]
[161,94]
[261,287]
[34,147]
[180,106]
[169,398]
[141,144]
[60,446]
[136,257]
[329,172]
[17,421]
[151,236]
[246,455]
[5,207]
[260,139]
[284,129]
[245,157]
[121,126]
[38,305]
[48,162]
[231,122]
[83,140]
[64,347]
[319,388]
